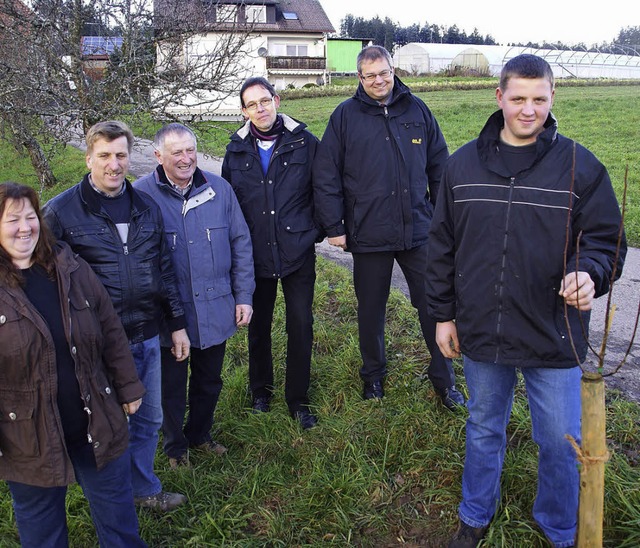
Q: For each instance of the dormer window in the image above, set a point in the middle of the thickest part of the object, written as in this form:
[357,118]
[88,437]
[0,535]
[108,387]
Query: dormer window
[256,14]
[226,13]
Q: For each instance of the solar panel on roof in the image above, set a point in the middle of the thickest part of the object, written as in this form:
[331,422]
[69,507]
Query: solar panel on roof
[100,45]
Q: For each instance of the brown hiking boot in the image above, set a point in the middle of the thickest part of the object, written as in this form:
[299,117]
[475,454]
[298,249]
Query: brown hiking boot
[180,462]
[210,447]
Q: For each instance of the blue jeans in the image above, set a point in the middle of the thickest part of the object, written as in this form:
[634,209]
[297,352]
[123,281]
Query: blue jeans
[554,402]
[146,422]
[41,514]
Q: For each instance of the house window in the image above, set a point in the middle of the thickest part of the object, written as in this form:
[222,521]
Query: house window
[296,50]
[226,14]
[256,14]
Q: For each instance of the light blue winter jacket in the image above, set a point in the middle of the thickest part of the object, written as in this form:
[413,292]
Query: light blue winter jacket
[211,250]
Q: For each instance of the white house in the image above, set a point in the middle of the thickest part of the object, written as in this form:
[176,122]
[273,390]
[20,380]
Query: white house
[282,40]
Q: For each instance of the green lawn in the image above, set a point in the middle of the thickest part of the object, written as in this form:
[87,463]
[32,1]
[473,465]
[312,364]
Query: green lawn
[371,473]
[605,119]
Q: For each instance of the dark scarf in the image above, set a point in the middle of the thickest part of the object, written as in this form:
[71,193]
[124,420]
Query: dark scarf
[271,134]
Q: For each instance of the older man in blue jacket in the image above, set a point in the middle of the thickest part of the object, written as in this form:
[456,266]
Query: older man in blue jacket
[211,251]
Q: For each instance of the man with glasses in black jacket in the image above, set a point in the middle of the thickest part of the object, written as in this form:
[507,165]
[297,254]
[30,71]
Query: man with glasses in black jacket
[376,177]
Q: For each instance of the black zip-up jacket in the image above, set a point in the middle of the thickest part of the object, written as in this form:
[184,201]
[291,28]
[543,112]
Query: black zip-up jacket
[138,275]
[378,169]
[497,243]
[278,206]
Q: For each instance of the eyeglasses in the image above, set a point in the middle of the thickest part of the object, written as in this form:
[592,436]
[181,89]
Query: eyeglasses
[384,74]
[264,103]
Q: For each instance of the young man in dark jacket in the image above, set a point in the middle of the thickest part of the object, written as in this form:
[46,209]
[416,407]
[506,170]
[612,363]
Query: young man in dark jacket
[376,177]
[498,285]
[268,163]
[211,253]
[120,233]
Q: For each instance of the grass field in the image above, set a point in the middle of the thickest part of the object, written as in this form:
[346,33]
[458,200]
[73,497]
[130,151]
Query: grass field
[371,474]
[605,119]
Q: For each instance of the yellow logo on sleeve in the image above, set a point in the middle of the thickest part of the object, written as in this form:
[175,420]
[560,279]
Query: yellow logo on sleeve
[417,141]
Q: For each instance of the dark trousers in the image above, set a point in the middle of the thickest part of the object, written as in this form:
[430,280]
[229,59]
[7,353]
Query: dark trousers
[372,282]
[205,385]
[297,289]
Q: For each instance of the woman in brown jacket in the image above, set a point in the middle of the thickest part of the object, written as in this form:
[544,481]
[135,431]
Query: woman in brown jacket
[67,382]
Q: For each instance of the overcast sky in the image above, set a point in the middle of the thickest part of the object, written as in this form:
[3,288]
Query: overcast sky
[568,21]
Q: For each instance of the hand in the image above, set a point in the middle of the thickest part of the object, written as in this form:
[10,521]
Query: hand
[578,290]
[131,408]
[338,241]
[447,339]
[181,345]
[243,314]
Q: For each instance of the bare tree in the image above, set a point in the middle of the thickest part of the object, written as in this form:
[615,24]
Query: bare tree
[182,59]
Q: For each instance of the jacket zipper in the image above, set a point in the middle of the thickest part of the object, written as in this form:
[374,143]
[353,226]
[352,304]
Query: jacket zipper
[398,174]
[502,269]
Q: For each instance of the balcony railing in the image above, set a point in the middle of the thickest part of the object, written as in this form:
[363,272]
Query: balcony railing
[297,63]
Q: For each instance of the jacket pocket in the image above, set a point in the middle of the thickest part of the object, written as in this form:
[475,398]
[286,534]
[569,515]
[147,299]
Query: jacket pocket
[220,246]
[84,321]
[18,432]
[113,423]
[373,222]
[16,341]
[297,236]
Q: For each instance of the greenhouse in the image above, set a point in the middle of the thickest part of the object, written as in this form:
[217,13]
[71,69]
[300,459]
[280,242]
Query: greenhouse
[418,58]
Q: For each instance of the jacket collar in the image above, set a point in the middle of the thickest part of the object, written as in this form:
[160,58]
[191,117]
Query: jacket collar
[290,124]
[66,259]
[488,141]
[400,93]
[162,180]
[92,200]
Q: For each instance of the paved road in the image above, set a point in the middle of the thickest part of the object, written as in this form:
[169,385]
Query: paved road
[626,294]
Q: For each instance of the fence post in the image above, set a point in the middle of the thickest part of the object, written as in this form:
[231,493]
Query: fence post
[592,457]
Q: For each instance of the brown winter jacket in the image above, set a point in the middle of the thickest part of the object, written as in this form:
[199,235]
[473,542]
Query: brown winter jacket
[32,448]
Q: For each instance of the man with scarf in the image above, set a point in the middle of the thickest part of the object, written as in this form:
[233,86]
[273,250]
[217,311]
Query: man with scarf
[268,163]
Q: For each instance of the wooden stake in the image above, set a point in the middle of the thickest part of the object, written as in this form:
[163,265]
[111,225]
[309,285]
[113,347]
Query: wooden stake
[592,457]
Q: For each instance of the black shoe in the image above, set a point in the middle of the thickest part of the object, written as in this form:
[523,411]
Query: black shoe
[373,390]
[467,536]
[451,397]
[305,418]
[261,404]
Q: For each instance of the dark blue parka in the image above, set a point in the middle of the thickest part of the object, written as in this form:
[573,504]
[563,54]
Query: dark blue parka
[378,169]
[278,206]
